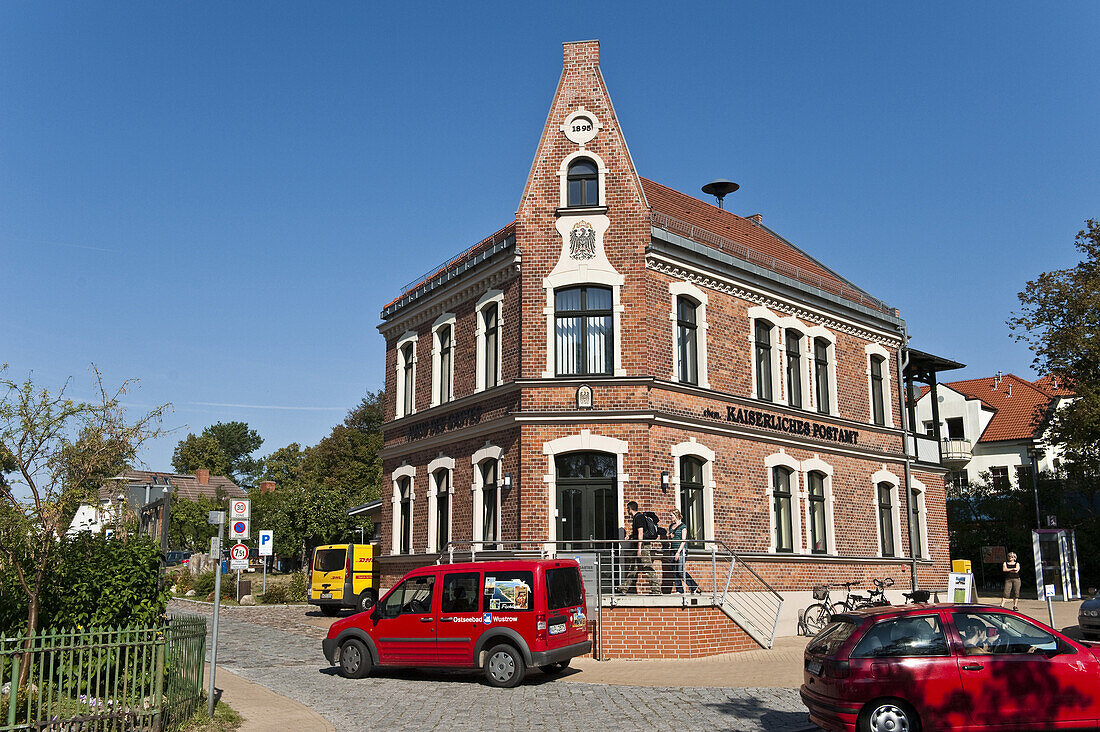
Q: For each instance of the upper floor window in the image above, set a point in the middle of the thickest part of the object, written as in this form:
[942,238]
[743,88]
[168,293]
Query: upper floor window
[763,360]
[886,518]
[490,318]
[815,487]
[878,394]
[584,183]
[1000,477]
[408,370]
[687,341]
[446,360]
[442,509]
[821,375]
[955,430]
[781,505]
[794,368]
[405,488]
[584,332]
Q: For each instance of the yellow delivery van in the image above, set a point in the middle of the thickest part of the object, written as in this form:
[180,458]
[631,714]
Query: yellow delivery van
[342,575]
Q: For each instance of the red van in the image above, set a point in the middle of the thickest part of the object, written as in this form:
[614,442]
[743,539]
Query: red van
[503,617]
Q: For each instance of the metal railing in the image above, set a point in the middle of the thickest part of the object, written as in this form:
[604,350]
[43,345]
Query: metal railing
[956,450]
[608,566]
[703,236]
[139,678]
[924,449]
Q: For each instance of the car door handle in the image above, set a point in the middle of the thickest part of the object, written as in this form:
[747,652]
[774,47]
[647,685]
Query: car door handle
[446,620]
[425,620]
[973,667]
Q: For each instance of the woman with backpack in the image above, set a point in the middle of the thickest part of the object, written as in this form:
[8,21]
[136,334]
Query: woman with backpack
[677,532]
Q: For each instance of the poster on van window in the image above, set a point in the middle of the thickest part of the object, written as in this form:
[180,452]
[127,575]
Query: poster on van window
[507,594]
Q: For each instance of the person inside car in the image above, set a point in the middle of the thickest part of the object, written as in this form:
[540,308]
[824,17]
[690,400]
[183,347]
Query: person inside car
[975,637]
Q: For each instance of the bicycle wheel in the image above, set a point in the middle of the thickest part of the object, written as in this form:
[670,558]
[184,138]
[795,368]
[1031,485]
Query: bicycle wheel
[841,607]
[816,618]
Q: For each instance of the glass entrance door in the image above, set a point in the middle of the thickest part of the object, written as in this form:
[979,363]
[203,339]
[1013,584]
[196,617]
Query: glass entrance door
[587,506]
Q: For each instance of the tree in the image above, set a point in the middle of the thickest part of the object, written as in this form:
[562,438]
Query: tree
[55,453]
[1060,321]
[224,448]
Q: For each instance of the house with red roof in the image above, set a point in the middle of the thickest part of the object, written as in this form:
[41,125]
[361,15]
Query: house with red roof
[995,426]
[618,341]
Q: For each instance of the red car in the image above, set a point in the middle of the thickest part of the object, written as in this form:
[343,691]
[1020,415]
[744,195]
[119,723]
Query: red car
[958,667]
[502,617]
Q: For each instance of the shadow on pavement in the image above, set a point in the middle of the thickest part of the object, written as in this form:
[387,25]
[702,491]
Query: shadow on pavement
[462,676]
[752,709]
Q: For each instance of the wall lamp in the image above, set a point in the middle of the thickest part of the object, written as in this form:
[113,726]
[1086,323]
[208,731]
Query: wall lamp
[664,480]
[507,480]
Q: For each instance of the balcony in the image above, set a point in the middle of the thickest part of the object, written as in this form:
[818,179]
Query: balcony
[924,449]
[955,453]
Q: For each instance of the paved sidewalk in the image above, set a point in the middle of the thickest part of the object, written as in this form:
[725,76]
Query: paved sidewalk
[263,709]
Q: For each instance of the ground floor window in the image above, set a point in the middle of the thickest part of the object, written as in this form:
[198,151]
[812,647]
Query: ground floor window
[781,505]
[886,518]
[692,498]
[405,487]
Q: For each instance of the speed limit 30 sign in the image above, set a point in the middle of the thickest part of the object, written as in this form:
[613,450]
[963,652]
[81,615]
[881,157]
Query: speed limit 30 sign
[240,508]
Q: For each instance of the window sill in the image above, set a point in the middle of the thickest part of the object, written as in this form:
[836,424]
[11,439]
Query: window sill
[580,210]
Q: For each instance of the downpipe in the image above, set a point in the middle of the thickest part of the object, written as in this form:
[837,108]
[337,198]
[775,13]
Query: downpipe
[903,363]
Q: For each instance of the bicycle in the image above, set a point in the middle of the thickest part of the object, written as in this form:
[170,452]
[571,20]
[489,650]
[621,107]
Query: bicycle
[877,597]
[818,615]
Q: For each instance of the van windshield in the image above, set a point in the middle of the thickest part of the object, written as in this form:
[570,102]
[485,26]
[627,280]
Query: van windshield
[563,587]
[329,560]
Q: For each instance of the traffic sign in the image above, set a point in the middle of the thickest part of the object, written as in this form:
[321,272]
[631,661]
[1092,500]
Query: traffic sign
[239,529]
[238,557]
[267,542]
[215,546]
[240,508]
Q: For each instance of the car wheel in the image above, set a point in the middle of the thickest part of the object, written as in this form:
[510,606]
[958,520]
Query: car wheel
[355,660]
[330,611]
[504,666]
[366,601]
[554,668]
[815,618]
[888,715]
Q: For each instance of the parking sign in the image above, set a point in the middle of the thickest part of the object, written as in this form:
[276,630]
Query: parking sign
[267,542]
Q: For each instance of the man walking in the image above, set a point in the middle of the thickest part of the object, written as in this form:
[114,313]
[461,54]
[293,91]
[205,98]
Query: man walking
[643,530]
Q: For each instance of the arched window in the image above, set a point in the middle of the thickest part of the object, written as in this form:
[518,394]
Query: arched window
[405,487]
[794,368]
[878,401]
[781,505]
[819,540]
[915,519]
[886,518]
[821,374]
[584,183]
[691,495]
[489,502]
[687,341]
[442,509]
[407,376]
[584,332]
[763,360]
[490,316]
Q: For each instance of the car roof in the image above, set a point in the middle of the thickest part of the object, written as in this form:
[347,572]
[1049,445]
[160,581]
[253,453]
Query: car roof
[858,616]
[499,564]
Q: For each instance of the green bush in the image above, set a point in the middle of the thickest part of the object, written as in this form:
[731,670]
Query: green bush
[275,594]
[203,583]
[299,588]
[181,579]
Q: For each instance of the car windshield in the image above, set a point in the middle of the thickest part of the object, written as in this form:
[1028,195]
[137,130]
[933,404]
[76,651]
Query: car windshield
[832,637]
[987,632]
[329,560]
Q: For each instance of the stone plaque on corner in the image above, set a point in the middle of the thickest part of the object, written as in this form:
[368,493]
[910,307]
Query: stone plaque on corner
[584,397]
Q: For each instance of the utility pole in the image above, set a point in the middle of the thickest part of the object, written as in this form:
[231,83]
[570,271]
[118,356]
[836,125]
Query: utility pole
[217,518]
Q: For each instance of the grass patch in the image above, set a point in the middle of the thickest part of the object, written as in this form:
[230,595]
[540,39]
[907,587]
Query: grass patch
[226,719]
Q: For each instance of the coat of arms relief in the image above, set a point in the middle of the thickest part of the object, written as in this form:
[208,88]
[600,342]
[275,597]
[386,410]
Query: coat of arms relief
[582,241]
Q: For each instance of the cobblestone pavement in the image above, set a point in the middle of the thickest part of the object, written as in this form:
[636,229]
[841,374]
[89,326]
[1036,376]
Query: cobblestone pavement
[280,648]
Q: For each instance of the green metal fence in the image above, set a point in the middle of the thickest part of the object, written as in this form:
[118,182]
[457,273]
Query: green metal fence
[143,678]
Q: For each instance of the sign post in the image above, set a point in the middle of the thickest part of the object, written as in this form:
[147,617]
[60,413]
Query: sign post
[238,560]
[267,542]
[216,518]
[1051,591]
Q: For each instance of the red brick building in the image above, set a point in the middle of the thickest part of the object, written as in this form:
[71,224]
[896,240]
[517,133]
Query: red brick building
[619,341]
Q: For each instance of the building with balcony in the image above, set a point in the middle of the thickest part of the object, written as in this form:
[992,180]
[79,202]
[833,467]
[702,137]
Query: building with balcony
[621,341]
[986,426]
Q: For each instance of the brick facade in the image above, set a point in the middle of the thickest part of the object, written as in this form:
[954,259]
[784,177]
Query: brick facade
[641,411]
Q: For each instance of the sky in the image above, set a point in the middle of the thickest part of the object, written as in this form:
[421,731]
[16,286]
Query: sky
[218,198]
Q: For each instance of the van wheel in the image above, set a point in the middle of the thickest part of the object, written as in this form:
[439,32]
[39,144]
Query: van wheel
[555,667]
[504,667]
[330,611]
[888,715]
[366,601]
[355,660]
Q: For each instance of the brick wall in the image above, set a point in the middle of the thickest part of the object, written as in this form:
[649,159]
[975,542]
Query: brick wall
[670,632]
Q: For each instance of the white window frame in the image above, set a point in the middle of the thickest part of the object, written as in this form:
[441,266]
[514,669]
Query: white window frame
[488,452]
[580,278]
[489,298]
[759,312]
[804,361]
[584,442]
[814,333]
[443,321]
[404,471]
[563,178]
[410,337]
[885,476]
[445,464]
[695,449]
[874,349]
[817,465]
[782,459]
[677,290]
[922,516]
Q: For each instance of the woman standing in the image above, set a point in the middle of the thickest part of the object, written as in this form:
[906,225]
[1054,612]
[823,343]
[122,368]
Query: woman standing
[678,534]
[1011,569]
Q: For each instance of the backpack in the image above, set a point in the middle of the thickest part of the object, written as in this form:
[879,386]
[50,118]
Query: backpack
[649,527]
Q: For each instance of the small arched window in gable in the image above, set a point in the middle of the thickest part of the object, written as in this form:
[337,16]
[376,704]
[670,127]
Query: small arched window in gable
[584,184]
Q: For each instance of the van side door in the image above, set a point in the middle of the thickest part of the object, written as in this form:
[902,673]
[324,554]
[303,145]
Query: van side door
[405,632]
[460,619]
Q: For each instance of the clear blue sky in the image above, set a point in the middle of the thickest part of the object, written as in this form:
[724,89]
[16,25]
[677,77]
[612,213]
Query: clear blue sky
[217,198]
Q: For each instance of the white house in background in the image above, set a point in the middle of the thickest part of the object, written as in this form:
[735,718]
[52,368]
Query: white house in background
[987,425]
[144,486]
